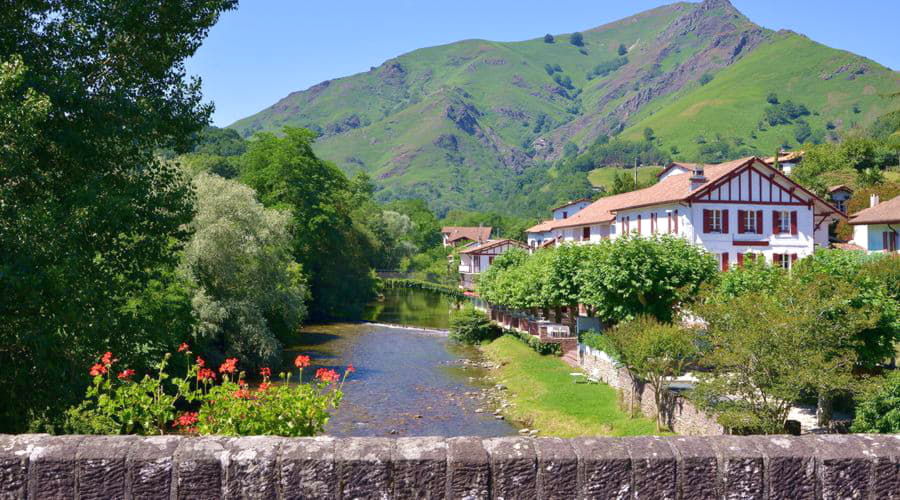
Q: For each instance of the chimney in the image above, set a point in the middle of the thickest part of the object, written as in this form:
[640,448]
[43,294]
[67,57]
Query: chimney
[697,178]
[873,200]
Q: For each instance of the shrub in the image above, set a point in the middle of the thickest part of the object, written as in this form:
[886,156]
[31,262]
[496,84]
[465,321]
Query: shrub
[706,78]
[878,409]
[601,342]
[548,38]
[622,49]
[576,39]
[120,405]
[471,326]
[542,348]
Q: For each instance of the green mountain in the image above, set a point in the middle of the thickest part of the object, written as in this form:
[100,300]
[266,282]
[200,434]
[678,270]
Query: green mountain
[474,124]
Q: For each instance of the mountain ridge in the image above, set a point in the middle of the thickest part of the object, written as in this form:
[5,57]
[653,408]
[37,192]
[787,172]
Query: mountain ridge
[459,123]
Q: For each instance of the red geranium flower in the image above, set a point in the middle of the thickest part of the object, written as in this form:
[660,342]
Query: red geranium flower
[263,386]
[126,375]
[242,394]
[98,369]
[326,375]
[350,368]
[301,361]
[200,362]
[265,372]
[229,366]
[108,359]
[186,419]
[183,347]
[206,374]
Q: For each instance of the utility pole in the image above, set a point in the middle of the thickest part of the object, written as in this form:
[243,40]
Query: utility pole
[635,171]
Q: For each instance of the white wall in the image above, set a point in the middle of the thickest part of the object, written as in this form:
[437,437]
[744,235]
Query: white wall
[674,171]
[569,210]
[870,236]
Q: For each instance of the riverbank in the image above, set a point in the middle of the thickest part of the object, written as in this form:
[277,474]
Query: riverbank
[543,395]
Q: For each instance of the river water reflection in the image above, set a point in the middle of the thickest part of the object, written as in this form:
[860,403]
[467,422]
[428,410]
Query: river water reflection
[408,381]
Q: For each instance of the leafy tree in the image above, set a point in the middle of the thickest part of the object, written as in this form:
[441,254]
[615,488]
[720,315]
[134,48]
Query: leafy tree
[705,78]
[648,134]
[576,39]
[335,252]
[220,141]
[622,49]
[88,91]
[548,38]
[654,352]
[631,276]
[470,326]
[772,98]
[570,149]
[247,291]
[878,410]
[802,131]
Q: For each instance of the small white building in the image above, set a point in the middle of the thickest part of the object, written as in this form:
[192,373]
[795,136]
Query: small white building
[543,233]
[735,210]
[876,228]
[839,196]
[477,258]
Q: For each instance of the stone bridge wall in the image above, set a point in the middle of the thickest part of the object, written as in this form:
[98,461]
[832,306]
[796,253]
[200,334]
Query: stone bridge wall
[807,467]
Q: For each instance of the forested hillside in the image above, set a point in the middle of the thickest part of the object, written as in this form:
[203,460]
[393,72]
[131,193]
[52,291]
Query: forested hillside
[480,125]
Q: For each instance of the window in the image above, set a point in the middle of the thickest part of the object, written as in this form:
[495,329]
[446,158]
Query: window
[715,221]
[653,223]
[784,222]
[749,221]
[490,260]
[586,234]
[839,204]
[784,260]
[565,215]
[889,241]
[724,261]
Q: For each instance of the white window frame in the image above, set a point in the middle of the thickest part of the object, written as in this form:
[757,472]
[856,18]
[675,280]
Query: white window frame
[715,221]
[750,221]
[784,222]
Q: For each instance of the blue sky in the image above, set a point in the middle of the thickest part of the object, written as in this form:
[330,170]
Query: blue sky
[268,48]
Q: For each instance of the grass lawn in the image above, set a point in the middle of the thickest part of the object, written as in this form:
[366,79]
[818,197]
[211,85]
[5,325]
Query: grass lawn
[546,398]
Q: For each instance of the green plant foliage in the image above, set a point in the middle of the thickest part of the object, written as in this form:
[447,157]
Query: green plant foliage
[471,326]
[88,92]
[548,38]
[601,342]
[654,352]
[633,276]
[576,39]
[334,251]
[622,49]
[542,348]
[878,410]
[706,78]
[247,291]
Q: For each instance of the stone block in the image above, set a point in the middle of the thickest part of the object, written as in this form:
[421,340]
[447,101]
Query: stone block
[51,466]
[741,466]
[885,452]
[14,455]
[200,468]
[308,469]
[557,467]
[653,466]
[843,468]
[604,468]
[102,466]
[151,465]
[252,467]
[698,469]
[468,469]
[790,467]
[513,467]
[420,467]
[364,467]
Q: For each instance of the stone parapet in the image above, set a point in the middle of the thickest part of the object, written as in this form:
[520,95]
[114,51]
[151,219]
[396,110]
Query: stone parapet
[806,467]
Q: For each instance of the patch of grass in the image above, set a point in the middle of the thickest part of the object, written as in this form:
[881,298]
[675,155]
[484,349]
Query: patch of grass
[546,398]
[603,176]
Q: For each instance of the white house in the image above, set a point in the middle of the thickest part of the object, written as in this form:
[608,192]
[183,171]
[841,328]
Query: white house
[736,210]
[876,228]
[456,235]
[477,258]
[787,160]
[839,196]
[543,233]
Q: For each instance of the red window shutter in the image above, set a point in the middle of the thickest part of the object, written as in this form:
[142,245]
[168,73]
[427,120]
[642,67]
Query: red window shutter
[794,222]
[884,241]
[742,221]
[776,259]
[793,259]
[725,221]
[639,223]
[759,222]
[776,222]
[725,261]
[586,233]
[669,222]
[740,259]
[707,220]
[676,222]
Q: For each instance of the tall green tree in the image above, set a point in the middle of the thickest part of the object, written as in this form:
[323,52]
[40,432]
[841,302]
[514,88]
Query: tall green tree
[89,217]
[333,249]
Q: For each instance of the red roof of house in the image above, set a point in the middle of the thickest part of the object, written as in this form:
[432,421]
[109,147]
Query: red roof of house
[492,244]
[846,246]
[839,187]
[673,189]
[687,166]
[886,212]
[455,233]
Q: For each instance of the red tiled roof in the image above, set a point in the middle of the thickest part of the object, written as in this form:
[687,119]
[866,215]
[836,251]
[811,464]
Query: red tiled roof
[839,187]
[886,212]
[784,156]
[846,246]
[492,244]
[455,233]
[570,203]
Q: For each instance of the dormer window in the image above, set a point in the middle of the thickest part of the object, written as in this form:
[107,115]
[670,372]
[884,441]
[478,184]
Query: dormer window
[565,215]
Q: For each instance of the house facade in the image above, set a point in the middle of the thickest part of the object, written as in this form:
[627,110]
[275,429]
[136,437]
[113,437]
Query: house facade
[543,233]
[877,228]
[737,210]
[839,196]
[477,258]
[461,235]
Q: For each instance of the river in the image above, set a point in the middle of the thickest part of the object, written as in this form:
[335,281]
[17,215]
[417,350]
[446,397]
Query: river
[410,380]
